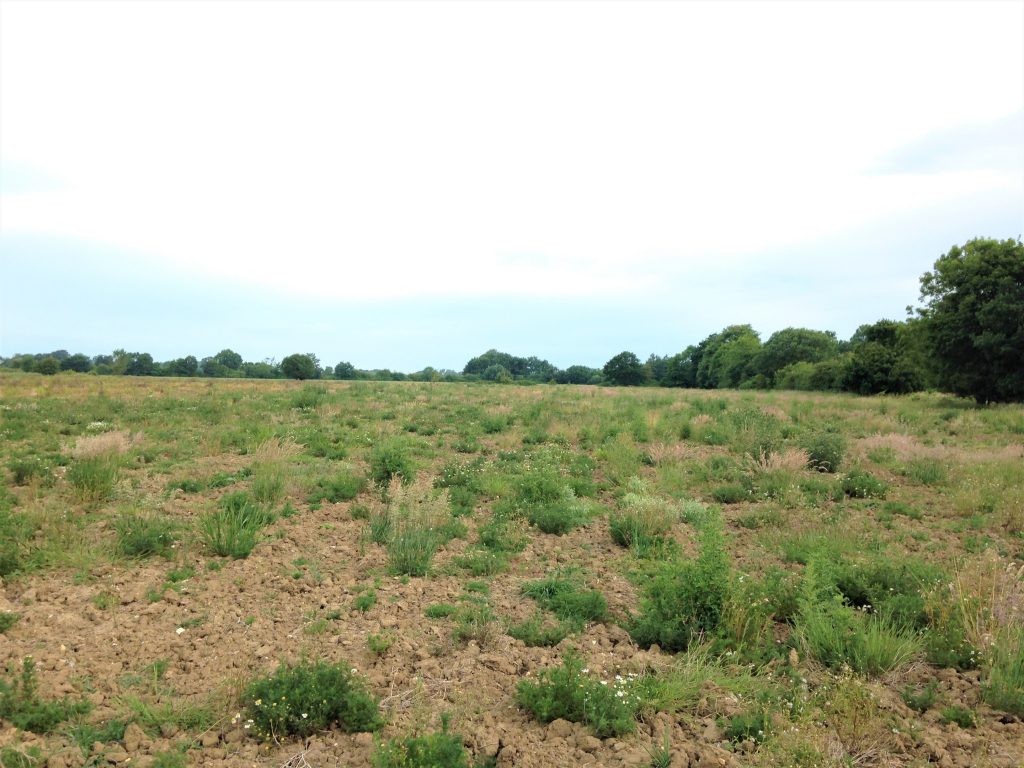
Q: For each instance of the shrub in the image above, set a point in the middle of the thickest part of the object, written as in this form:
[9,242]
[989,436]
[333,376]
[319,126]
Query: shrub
[474,621]
[608,708]
[144,535]
[859,484]
[365,601]
[825,450]
[94,477]
[344,486]
[232,530]
[303,699]
[435,750]
[501,535]
[21,706]
[754,725]
[685,599]
[439,611]
[390,459]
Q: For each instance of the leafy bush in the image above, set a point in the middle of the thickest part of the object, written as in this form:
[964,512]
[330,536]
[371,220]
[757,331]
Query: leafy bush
[859,484]
[144,535]
[94,477]
[825,450]
[21,706]
[558,517]
[390,459]
[608,708]
[436,750]
[685,599]
[306,698]
[309,397]
[501,535]
[344,486]
[232,530]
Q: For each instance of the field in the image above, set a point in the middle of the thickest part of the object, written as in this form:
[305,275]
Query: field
[238,573]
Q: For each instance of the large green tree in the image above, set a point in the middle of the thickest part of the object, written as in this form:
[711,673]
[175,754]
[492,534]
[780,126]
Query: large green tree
[624,370]
[974,319]
[795,345]
[299,366]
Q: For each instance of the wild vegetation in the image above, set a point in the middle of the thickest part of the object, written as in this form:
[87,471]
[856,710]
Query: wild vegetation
[218,573]
[967,338]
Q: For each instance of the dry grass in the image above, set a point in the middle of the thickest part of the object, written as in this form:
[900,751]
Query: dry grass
[105,444]
[669,453]
[790,459]
[989,593]
[276,451]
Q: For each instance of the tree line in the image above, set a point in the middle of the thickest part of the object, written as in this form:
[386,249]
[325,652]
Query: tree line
[967,338]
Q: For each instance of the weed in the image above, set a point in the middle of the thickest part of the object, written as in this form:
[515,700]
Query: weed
[232,530]
[94,477]
[482,562]
[441,749]
[608,708]
[21,706]
[345,485]
[305,698]
[390,459]
[380,643]
[859,484]
[825,450]
[752,725]
[440,611]
[965,718]
[568,598]
[539,631]
[921,700]
[144,535]
[365,601]
[685,599]
[7,620]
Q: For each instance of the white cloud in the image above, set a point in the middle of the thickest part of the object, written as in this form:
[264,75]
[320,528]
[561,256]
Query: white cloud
[410,149]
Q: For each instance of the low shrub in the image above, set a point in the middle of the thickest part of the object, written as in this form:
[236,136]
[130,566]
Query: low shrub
[482,562]
[965,718]
[921,700]
[303,699]
[558,517]
[643,518]
[731,493]
[567,692]
[27,469]
[1003,684]
[753,725]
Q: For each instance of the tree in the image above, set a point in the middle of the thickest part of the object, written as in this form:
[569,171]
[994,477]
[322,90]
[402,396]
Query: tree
[229,359]
[974,319]
[345,371]
[299,367]
[624,370]
[795,345]
[727,358]
[139,364]
[183,366]
[79,363]
[578,374]
[48,366]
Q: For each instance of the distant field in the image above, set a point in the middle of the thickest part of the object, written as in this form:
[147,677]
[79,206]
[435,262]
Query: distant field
[237,573]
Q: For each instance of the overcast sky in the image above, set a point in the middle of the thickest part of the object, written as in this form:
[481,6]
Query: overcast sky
[409,184]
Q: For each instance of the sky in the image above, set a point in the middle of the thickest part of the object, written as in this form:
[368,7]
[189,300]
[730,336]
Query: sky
[400,185]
